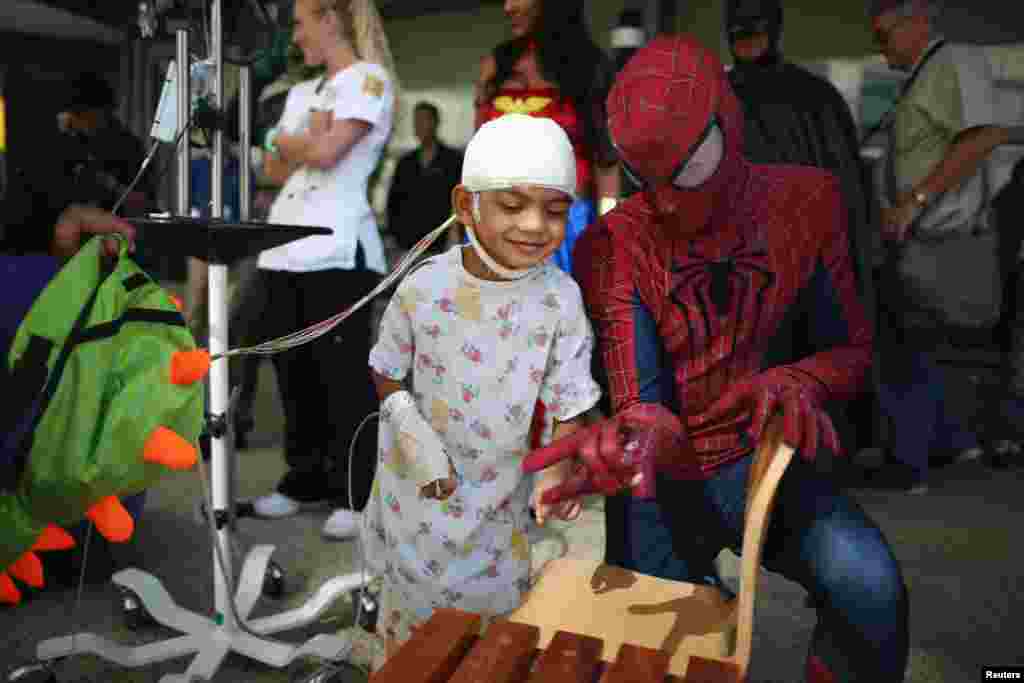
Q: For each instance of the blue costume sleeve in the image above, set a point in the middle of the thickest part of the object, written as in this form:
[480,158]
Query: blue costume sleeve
[22,279]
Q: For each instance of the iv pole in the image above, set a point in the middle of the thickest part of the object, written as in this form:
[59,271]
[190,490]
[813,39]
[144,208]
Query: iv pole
[211,640]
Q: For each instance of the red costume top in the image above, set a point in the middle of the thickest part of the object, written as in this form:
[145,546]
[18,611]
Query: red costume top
[546,102]
[686,287]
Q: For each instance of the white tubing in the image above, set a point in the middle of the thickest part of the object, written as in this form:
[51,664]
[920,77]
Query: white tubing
[495,267]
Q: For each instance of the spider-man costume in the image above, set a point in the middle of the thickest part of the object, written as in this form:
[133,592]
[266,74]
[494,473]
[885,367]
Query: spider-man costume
[687,284]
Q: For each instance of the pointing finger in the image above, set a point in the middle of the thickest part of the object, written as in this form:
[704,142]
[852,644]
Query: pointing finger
[566,447]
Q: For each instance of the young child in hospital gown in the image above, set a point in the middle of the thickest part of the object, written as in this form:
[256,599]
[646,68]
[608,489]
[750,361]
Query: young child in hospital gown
[470,342]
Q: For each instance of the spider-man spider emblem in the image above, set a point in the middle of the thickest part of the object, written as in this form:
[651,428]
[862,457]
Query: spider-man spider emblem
[720,297]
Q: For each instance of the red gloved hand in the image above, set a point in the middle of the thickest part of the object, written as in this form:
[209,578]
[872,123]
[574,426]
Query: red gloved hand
[624,451]
[797,394]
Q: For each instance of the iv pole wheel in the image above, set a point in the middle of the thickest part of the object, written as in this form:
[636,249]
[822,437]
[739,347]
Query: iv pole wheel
[33,673]
[273,581]
[133,612]
[369,613]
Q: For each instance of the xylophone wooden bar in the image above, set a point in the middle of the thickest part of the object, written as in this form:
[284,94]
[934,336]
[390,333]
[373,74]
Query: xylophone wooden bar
[434,651]
[636,663]
[448,649]
[569,657]
[504,656]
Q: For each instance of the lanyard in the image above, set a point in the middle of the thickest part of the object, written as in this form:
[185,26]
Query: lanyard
[887,118]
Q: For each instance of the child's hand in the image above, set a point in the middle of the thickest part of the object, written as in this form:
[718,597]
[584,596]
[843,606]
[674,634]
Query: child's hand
[441,489]
[566,510]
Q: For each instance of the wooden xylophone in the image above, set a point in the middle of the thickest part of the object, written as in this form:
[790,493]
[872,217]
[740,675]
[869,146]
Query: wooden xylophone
[450,649]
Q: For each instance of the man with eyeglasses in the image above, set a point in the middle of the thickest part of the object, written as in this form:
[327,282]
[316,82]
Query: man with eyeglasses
[939,228]
[688,284]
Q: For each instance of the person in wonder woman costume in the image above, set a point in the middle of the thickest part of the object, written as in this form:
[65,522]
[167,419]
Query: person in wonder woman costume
[552,68]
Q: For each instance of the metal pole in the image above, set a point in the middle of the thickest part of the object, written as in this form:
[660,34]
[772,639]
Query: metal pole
[220,468]
[244,143]
[184,147]
[244,213]
[217,163]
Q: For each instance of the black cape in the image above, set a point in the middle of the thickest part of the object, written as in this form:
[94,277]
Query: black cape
[794,116]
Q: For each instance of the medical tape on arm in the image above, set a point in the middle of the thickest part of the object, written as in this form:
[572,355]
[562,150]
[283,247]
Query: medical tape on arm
[417,439]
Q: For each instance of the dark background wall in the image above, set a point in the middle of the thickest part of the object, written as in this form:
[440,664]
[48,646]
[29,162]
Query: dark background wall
[38,70]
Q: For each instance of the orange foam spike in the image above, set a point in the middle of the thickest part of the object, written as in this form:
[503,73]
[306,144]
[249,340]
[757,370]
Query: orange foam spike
[28,569]
[112,520]
[53,538]
[188,367]
[178,303]
[165,447]
[9,593]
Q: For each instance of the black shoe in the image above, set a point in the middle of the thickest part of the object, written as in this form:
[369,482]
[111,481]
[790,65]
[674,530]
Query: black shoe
[893,476]
[242,428]
[1004,455]
[63,568]
[305,487]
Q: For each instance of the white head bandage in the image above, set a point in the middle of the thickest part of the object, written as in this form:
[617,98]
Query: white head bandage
[515,150]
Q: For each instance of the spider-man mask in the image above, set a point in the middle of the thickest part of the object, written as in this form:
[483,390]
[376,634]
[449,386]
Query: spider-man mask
[679,130]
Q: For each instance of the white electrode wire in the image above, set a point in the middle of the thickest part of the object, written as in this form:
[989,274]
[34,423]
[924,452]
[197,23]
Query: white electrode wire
[138,176]
[291,341]
[146,162]
[319,329]
[229,581]
[495,267]
[332,667]
[76,611]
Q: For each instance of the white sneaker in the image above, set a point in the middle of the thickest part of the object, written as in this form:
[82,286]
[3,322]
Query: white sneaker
[343,524]
[275,506]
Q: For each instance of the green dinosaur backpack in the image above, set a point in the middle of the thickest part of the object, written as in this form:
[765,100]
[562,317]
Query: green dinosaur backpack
[97,360]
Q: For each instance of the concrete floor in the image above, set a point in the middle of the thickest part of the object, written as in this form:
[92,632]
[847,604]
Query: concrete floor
[956,546]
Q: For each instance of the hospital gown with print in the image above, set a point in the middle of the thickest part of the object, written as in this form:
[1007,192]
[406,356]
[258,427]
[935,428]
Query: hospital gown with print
[477,355]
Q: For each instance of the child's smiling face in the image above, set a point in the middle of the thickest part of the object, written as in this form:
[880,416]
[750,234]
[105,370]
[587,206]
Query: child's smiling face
[519,227]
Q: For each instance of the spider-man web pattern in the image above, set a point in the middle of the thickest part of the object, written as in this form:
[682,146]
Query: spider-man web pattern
[687,289]
[691,290]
